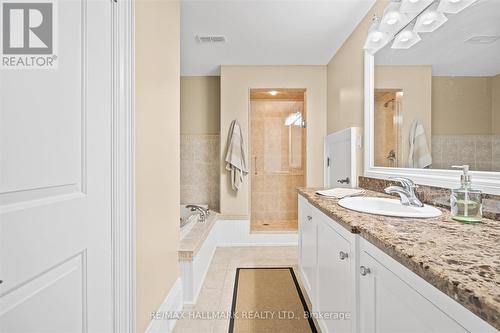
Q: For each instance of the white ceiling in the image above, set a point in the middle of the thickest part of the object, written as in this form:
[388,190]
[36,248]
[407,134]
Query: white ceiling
[445,49]
[264,32]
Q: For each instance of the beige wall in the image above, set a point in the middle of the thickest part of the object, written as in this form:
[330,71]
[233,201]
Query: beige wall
[461,105]
[345,77]
[416,84]
[236,81]
[495,103]
[200,104]
[157,152]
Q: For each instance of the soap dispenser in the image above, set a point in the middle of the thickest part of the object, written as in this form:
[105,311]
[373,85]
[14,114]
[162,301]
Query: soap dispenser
[466,203]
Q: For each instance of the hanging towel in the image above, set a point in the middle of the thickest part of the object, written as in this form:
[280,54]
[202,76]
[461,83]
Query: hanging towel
[236,160]
[419,155]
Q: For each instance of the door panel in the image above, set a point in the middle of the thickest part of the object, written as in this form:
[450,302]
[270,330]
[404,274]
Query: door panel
[389,305]
[55,181]
[334,278]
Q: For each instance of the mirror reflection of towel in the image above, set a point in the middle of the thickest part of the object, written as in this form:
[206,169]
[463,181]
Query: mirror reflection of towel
[419,155]
[236,160]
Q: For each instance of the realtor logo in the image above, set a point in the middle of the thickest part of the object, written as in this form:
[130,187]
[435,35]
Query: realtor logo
[28,34]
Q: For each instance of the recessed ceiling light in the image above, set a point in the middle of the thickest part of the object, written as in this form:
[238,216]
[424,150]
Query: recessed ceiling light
[211,39]
[482,39]
[272,92]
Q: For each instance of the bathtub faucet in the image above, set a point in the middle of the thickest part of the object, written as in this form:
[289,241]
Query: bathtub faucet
[204,212]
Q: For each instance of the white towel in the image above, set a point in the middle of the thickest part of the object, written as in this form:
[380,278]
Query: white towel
[340,192]
[236,160]
[419,155]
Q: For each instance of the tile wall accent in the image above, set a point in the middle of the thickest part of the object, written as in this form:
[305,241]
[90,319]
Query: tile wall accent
[481,152]
[437,196]
[200,156]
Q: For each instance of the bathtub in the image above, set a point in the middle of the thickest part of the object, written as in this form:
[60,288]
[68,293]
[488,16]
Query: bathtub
[188,219]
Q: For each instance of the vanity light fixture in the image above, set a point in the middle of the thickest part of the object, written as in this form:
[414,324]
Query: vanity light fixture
[406,38]
[454,6]
[376,39]
[414,6]
[430,20]
[393,19]
[272,92]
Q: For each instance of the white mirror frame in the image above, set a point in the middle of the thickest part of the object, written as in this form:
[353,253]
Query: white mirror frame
[488,182]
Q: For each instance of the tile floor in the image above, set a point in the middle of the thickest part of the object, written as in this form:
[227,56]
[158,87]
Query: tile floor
[217,291]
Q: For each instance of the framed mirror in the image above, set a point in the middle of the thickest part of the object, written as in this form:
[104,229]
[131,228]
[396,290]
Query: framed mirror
[432,93]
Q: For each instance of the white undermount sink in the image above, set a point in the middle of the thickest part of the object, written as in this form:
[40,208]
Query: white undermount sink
[388,207]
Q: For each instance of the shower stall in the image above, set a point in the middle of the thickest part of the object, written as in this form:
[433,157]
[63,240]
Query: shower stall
[278,157]
[388,119]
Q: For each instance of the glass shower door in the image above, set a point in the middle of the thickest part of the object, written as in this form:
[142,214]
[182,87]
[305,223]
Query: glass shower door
[278,161]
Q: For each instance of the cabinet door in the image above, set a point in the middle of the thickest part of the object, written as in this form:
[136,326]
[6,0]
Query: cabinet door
[307,232]
[334,279]
[390,305]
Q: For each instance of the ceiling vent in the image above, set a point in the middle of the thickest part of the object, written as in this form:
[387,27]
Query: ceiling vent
[211,39]
[482,39]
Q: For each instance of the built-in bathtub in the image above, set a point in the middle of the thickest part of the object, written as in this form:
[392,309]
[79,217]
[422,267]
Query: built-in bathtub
[188,219]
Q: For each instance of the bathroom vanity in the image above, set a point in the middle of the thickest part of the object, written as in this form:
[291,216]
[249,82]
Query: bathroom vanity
[369,273]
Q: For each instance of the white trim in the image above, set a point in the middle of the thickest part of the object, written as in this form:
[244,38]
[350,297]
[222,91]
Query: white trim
[123,200]
[171,304]
[488,182]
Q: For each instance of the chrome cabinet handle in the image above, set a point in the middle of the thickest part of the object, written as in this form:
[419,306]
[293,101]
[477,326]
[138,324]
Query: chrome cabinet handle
[364,270]
[309,217]
[343,255]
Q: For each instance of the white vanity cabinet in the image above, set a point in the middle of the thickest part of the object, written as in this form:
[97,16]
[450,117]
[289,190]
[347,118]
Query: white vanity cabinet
[344,273]
[327,268]
[307,247]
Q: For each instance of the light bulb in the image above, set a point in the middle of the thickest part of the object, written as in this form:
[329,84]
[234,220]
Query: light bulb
[430,20]
[273,92]
[377,36]
[392,18]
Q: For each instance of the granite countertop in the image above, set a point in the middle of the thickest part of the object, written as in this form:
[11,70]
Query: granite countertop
[461,260]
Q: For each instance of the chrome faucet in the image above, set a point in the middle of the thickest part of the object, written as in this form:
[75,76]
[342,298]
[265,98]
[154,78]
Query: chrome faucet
[406,192]
[204,212]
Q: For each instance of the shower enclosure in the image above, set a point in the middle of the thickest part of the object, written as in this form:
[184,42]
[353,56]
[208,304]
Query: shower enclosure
[388,120]
[278,157]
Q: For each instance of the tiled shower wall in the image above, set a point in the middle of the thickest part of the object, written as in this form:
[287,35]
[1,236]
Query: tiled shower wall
[200,170]
[481,152]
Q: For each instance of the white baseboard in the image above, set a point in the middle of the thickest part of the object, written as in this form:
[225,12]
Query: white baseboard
[237,233]
[172,303]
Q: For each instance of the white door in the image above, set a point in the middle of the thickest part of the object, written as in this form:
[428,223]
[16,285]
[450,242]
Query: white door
[334,279]
[55,181]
